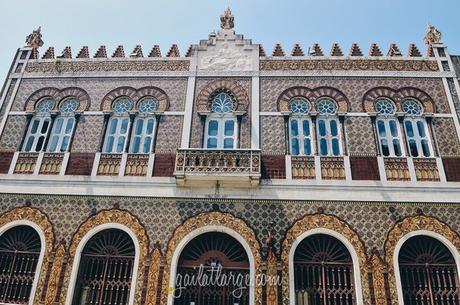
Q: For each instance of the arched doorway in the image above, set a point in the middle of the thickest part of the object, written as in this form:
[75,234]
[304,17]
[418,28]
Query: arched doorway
[106,269]
[20,249]
[220,267]
[428,272]
[323,272]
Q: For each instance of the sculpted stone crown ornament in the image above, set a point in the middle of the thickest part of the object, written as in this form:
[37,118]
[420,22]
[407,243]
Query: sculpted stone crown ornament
[433,35]
[34,40]
[227,20]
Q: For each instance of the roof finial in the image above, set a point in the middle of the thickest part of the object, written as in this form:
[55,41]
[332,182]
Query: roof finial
[433,35]
[34,40]
[227,20]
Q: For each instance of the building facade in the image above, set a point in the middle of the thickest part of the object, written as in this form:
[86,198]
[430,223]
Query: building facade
[336,174]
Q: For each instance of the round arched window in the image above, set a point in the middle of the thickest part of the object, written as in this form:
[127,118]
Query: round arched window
[45,105]
[412,107]
[222,103]
[69,105]
[299,105]
[148,105]
[122,105]
[384,106]
[326,106]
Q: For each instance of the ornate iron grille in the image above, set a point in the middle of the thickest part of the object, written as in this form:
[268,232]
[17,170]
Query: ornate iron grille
[323,272]
[19,253]
[205,255]
[428,273]
[106,269]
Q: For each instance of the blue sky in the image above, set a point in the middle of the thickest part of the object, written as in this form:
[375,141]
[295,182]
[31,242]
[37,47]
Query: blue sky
[164,22]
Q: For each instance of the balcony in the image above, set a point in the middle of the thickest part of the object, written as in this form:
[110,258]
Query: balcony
[238,167]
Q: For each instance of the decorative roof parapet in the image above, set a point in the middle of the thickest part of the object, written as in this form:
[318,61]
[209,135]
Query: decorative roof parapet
[101,52]
[355,50]
[173,52]
[278,51]
[84,53]
[137,52]
[336,50]
[119,52]
[49,54]
[155,52]
[189,51]
[262,51]
[393,50]
[375,50]
[414,51]
[297,50]
[66,53]
[316,50]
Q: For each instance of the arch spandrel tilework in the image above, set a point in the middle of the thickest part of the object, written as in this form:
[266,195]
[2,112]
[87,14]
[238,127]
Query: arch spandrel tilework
[411,224]
[58,95]
[312,95]
[55,275]
[115,216]
[377,266]
[324,221]
[206,219]
[153,277]
[398,96]
[135,95]
[203,99]
[42,221]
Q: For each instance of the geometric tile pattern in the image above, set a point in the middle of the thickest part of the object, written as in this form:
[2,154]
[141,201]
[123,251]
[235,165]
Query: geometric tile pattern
[354,88]
[360,136]
[273,135]
[169,133]
[446,136]
[13,133]
[88,133]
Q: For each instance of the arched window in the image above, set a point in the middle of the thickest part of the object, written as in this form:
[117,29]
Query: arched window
[217,256]
[428,273]
[323,272]
[300,135]
[19,254]
[118,126]
[388,130]
[221,125]
[64,126]
[144,126]
[39,126]
[416,129]
[106,269]
[328,128]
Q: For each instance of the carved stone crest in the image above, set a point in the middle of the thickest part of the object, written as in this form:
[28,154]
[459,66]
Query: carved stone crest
[433,35]
[34,40]
[227,20]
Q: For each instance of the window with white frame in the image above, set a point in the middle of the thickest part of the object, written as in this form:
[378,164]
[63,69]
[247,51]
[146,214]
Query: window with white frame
[416,129]
[328,128]
[388,130]
[142,135]
[39,126]
[300,127]
[64,126]
[221,125]
[118,126]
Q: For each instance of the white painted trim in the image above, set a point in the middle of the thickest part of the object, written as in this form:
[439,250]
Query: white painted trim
[345,242]
[64,163]
[124,160]
[354,114]
[318,167]
[80,247]
[38,163]
[39,230]
[150,165]
[206,229]
[13,163]
[97,158]
[453,250]
[255,116]
[451,105]
[441,171]
[382,172]
[288,162]
[187,126]
[411,167]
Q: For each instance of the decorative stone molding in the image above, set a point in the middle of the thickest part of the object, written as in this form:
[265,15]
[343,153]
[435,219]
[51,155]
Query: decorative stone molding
[51,164]
[241,97]
[109,165]
[55,276]
[426,169]
[25,163]
[303,167]
[312,95]
[153,277]
[333,223]
[58,96]
[377,267]
[402,228]
[272,273]
[41,220]
[332,168]
[58,67]
[206,219]
[349,65]
[106,217]
[136,165]
[396,169]
[135,95]
[397,96]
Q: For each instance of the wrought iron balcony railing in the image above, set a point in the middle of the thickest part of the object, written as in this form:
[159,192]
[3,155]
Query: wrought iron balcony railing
[235,165]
